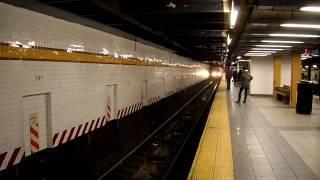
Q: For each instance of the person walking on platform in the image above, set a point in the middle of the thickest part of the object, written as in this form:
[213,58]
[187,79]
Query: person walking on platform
[228,77]
[239,77]
[245,79]
[235,77]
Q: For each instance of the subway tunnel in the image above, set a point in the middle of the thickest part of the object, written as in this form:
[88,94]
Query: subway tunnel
[181,89]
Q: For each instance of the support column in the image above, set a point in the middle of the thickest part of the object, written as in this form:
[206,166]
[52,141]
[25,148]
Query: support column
[276,72]
[295,77]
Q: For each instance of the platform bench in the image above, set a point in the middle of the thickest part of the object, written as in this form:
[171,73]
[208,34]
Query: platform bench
[283,93]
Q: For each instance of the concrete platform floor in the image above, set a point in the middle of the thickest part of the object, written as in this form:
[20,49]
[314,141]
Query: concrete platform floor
[270,141]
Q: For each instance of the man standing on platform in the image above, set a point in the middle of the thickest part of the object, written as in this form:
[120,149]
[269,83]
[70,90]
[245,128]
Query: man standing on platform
[245,79]
[228,77]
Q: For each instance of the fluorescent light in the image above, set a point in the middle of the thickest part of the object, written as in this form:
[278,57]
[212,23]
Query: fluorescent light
[276,41]
[310,8]
[313,26]
[256,55]
[229,40]
[266,49]
[233,16]
[295,35]
[274,46]
[248,53]
[76,45]
[262,51]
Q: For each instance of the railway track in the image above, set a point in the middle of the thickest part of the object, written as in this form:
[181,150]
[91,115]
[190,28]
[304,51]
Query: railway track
[156,155]
[147,149]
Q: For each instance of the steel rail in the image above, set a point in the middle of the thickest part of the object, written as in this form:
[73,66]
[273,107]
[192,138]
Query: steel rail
[153,133]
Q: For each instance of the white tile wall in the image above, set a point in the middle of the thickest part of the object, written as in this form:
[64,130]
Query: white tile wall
[286,70]
[262,73]
[18,24]
[77,89]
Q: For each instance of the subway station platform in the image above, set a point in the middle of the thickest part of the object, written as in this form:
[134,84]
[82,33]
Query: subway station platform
[261,139]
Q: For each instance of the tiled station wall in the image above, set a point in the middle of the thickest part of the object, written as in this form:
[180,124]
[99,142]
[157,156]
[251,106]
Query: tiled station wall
[286,70]
[74,95]
[262,72]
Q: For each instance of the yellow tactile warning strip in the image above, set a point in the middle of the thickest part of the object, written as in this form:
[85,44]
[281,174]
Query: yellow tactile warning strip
[213,159]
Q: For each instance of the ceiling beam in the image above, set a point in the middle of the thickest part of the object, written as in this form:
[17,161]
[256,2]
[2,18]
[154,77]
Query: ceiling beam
[147,6]
[288,3]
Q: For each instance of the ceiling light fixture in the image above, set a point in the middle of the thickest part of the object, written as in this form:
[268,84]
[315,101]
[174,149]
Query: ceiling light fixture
[277,41]
[281,46]
[311,8]
[262,51]
[266,49]
[229,40]
[252,53]
[256,55]
[233,16]
[312,26]
[295,35]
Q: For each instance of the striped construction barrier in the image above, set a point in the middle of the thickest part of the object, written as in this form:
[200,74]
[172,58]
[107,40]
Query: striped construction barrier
[154,100]
[11,157]
[34,133]
[15,155]
[77,131]
[128,110]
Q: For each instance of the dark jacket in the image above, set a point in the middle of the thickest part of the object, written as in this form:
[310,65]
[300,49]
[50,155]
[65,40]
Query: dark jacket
[245,79]
[228,74]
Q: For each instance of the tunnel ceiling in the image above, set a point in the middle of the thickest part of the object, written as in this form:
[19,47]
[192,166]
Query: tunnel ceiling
[259,18]
[192,28]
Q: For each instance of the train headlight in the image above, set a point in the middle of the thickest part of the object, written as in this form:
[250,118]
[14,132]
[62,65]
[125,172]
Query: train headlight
[203,73]
[216,74]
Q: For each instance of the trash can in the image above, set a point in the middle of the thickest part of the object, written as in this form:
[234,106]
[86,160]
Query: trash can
[304,99]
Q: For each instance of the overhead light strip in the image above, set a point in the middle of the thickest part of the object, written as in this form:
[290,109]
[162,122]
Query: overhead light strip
[295,35]
[267,49]
[262,51]
[228,40]
[311,8]
[281,46]
[256,55]
[277,41]
[306,26]
[233,16]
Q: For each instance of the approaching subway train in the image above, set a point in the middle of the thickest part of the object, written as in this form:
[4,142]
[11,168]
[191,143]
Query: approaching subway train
[61,80]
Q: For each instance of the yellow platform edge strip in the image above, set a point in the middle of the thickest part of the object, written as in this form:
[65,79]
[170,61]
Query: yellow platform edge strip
[213,159]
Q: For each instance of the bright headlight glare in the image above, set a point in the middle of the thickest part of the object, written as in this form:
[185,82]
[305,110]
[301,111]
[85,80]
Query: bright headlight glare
[216,74]
[203,73]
